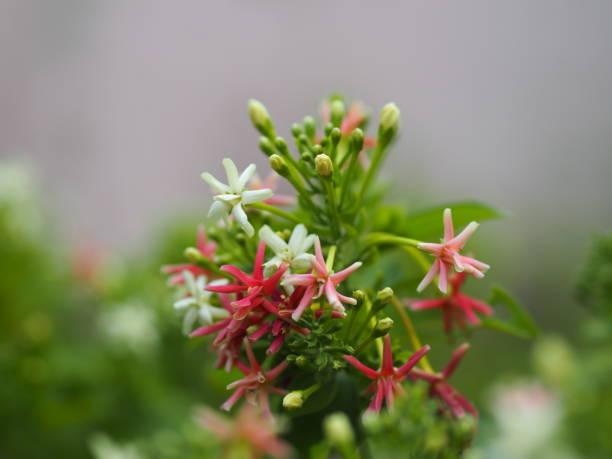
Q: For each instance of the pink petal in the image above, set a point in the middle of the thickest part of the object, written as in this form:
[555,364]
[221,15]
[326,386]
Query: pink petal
[231,401]
[367,371]
[417,305]
[259,258]
[319,261]
[435,267]
[412,361]
[387,363]
[449,231]
[460,240]
[443,278]
[454,361]
[341,275]
[306,299]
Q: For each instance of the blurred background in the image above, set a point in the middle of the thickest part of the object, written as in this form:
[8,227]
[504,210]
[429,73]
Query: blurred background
[117,107]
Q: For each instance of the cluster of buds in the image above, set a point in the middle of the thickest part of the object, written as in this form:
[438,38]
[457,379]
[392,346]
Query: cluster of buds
[271,285]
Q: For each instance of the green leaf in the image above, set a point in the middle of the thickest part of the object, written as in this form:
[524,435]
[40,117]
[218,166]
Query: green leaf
[427,223]
[520,322]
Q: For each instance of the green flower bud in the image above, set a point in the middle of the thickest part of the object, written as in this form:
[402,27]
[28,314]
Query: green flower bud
[389,117]
[261,118]
[296,130]
[316,149]
[382,327]
[301,361]
[327,129]
[310,127]
[335,136]
[277,163]
[336,112]
[293,400]
[324,165]
[193,255]
[266,146]
[281,145]
[385,295]
[360,297]
[357,140]
[303,139]
[338,430]
[307,156]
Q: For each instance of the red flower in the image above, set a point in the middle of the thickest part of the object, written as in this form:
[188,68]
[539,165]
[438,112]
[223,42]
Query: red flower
[455,306]
[256,383]
[387,381]
[206,248]
[252,288]
[440,388]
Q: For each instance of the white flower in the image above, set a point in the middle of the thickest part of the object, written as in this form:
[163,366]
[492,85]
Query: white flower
[197,305]
[232,197]
[292,253]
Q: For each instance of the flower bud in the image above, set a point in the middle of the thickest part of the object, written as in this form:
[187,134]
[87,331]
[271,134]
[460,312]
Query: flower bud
[357,140]
[360,297]
[261,118]
[338,429]
[277,163]
[193,255]
[335,136]
[293,400]
[281,145]
[301,361]
[306,156]
[327,129]
[310,127]
[336,112]
[389,117]
[324,165]
[385,295]
[382,327]
[296,130]
[266,146]
[316,149]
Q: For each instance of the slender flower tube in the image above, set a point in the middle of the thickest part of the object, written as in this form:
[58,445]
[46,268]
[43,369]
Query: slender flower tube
[440,388]
[454,306]
[232,197]
[447,255]
[387,381]
[321,281]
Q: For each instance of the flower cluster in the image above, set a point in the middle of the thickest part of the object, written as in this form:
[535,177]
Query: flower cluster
[289,295]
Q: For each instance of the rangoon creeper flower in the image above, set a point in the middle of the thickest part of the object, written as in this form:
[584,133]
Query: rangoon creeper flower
[447,255]
[232,197]
[455,305]
[440,388]
[293,253]
[248,429]
[321,280]
[197,304]
[256,384]
[387,381]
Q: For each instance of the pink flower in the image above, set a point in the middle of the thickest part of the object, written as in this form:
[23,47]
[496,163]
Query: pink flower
[454,305]
[271,183]
[447,255]
[320,281]
[256,383]
[387,381]
[248,428]
[207,248]
[254,286]
[440,388]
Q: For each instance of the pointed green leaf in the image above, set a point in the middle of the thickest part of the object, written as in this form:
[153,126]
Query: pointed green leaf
[519,323]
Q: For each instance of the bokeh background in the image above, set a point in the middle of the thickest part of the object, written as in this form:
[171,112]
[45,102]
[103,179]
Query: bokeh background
[118,107]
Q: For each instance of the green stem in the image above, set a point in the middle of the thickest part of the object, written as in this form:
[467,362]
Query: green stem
[386,238]
[275,211]
[412,336]
[331,205]
[372,170]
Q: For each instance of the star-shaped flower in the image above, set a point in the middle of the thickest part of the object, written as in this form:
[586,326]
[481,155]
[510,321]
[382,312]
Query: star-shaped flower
[197,304]
[256,383]
[321,280]
[447,255]
[292,253]
[440,388]
[387,381]
[249,428]
[232,197]
[455,305]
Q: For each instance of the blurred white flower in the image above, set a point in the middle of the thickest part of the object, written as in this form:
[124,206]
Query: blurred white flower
[103,447]
[197,304]
[18,198]
[131,326]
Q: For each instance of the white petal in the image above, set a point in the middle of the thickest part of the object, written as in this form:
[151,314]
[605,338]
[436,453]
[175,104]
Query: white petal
[243,220]
[219,282]
[302,262]
[189,282]
[218,313]
[297,238]
[246,176]
[214,183]
[271,266]
[228,197]
[189,320]
[184,303]
[217,210]
[308,242]
[251,196]
[232,174]
[272,240]
[204,313]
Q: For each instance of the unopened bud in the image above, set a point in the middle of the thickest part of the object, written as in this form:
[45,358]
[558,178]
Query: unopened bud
[193,255]
[303,139]
[261,118]
[296,130]
[360,297]
[385,295]
[336,112]
[301,361]
[335,136]
[324,165]
[277,163]
[357,140]
[307,156]
[389,117]
[338,430]
[327,129]
[383,326]
[281,145]
[310,127]
[266,146]
[316,149]
[293,400]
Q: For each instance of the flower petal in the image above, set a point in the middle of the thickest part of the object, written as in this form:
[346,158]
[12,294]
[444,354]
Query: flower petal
[273,241]
[246,176]
[214,183]
[251,196]
[243,220]
[217,210]
[232,174]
